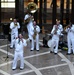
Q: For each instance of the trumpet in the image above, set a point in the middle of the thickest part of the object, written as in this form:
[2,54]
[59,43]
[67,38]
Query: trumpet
[15,23]
[68,26]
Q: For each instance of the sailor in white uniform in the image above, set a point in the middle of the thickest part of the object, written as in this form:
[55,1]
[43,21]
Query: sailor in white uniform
[34,35]
[18,53]
[29,19]
[70,38]
[14,26]
[56,32]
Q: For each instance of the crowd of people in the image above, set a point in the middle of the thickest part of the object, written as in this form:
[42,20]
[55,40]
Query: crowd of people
[18,42]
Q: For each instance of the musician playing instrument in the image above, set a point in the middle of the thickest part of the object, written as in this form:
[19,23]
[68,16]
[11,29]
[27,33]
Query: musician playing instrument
[70,38]
[20,42]
[14,26]
[34,33]
[28,21]
[56,32]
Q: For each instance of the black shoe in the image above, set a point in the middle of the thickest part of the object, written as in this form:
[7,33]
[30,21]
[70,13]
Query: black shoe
[51,51]
[55,53]
[38,50]
[31,50]
[13,69]
[21,68]
[11,47]
[68,54]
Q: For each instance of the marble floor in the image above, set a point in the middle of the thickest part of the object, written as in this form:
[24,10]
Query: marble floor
[40,62]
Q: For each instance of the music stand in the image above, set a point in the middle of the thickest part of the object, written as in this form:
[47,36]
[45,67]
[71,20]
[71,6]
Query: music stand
[7,49]
[6,33]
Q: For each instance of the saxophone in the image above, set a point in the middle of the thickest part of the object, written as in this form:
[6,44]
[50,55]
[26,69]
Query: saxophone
[35,32]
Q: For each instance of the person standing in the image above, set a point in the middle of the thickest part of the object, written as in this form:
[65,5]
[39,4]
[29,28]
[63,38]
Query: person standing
[34,33]
[70,38]
[29,22]
[14,26]
[20,42]
[56,32]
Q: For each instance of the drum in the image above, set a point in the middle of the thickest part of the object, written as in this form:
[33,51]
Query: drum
[46,39]
[49,43]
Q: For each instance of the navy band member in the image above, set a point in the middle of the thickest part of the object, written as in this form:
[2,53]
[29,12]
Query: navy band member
[19,46]
[29,22]
[14,26]
[56,32]
[34,35]
[70,38]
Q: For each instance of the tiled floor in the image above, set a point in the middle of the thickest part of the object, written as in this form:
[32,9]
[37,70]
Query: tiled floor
[36,62]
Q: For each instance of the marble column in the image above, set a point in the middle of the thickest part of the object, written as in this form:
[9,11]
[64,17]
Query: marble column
[61,11]
[54,10]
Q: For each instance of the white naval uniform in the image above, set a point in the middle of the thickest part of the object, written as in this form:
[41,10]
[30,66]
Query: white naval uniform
[55,38]
[36,39]
[14,32]
[30,24]
[19,47]
[70,38]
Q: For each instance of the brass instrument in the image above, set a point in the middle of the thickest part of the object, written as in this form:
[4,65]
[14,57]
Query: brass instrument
[32,8]
[35,33]
[15,24]
[27,20]
[68,26]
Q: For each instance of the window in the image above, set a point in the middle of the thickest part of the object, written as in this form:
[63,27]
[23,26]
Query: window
[7,3]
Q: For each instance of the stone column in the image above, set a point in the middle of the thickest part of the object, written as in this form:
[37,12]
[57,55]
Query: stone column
[19,12]
[72,12]
[36,13]
[40,14]
[54,12]
[19,9]
[67,11]
[61,11]
[45,11]
[0,11]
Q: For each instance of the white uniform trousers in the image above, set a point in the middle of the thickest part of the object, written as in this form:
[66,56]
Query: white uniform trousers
[37,42]
[54,45]
[28,28]
[13,36]
[16,56]
[70,44]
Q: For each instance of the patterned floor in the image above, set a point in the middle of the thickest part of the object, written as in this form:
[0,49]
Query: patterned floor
[36,62]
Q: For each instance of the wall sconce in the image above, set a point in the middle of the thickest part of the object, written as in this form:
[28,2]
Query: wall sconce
[11,19]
